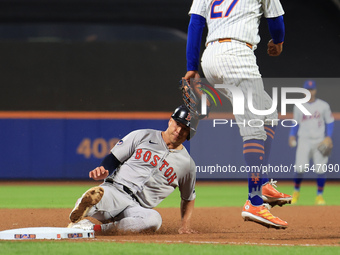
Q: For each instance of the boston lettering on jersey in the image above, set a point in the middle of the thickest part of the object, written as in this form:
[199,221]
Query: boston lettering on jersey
[147,156]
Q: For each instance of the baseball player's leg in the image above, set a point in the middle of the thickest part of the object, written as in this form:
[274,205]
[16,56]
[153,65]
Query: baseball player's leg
[270,132]
[102,203]
[252,135]
[136,218]
[254,209]
[298,177]
[320,164]
[270,124]
[252,125]
[133,218]
[87,200]
[269,193]
[321,180]
[236,65]
[221,63]
[302,158]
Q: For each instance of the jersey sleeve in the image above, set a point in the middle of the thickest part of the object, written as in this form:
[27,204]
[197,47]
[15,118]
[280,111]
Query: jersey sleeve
[188,182]
[195,31]
[277,29]
[297,114]
[199,7]
[272,8]
[294,130]
[328,116]
[125,147]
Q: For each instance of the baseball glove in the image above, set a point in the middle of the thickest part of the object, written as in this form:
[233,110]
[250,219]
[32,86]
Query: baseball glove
[192,95]
[326,146]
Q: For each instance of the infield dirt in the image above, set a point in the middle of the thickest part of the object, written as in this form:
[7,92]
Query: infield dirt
[308,225]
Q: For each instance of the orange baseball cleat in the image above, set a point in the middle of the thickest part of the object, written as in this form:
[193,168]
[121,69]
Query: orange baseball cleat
[272,196]
[260,214]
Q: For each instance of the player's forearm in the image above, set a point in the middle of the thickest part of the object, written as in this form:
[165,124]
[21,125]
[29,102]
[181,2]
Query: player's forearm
[187,208]
[195,31]
[107,166]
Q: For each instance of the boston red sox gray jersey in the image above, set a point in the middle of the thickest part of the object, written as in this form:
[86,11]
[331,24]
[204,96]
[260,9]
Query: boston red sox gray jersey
[151,170]
[236,19]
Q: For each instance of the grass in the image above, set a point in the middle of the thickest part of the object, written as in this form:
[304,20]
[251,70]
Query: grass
[103,248]
[41,196]
[48,196]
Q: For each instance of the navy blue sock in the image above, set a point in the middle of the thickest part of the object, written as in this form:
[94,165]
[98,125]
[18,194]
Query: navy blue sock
[321,180]
[270,131]
[297,181]
[253,152]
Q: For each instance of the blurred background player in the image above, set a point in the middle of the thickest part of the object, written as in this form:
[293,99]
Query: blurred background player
[146,166]
[311,131]
[233,33]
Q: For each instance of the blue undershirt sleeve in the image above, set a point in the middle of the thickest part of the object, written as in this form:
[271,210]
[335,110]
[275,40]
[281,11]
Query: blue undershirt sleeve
[110,162]
[329,129]
[195,31]
[294,130]
[276,29]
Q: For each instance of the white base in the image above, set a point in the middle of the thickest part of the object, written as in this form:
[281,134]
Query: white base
[45,233]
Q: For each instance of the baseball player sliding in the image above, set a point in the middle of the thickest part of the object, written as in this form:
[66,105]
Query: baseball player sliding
[146,166]
[315,141]
[229,59]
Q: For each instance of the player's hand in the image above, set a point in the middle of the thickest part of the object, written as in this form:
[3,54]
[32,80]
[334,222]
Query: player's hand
[196,86]
[99,173]
[274,49]
[185,230]
[191,75]
[292,141]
